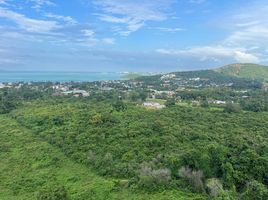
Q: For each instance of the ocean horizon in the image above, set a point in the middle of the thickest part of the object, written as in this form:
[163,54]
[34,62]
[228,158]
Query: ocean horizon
[38,76]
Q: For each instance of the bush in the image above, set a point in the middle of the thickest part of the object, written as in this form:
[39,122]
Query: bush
[170,102]
[195,178]
[256,191]
[214,187]
[232,108]
[53,193]
[152,179]
[7,106]
[119,105]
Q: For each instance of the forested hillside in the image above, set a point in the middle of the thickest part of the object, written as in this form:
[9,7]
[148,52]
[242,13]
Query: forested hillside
[202,78]
[252,71]
[31,169]
[196,150]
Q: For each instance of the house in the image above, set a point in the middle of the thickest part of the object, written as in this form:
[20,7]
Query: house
[168,76]
[218,102]
[77,93]
[60,88]
[2,85]
[153,105]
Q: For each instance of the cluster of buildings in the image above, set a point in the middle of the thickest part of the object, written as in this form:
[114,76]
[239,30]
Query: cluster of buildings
[167,86]
[64,90]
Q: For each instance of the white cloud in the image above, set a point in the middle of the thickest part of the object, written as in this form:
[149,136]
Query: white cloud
[170,30]
[9,61]
[253,35]
[113,19]
[89,38]
[40,3]
[197,1]
[213,52]
[3,2]
[108,41]
[28,24]
[132,14]
[249,30]
[246,41]
[69,20]
[88,33]
[245,57]
[248,25]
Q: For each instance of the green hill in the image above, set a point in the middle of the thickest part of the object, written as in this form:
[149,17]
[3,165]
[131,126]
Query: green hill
[252,71]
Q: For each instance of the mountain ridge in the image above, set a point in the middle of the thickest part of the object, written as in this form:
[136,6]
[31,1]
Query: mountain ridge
[245,70]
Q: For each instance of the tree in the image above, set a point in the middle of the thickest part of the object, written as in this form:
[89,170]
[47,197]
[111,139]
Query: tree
[6,106]
[143,95]
[170,102]
[256,191]
[134,96]
[119,105]
[232,108]
[195,178]
[215,187]
[228,175]
[204,104]
[217,155]
[153,178]
[53,193]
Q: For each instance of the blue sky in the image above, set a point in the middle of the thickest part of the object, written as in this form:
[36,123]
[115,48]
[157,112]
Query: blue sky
[131,35]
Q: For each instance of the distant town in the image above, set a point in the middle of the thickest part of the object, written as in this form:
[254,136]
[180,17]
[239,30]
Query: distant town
[156,89]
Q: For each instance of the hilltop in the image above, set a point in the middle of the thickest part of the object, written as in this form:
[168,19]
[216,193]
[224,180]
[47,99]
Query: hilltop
[252,71]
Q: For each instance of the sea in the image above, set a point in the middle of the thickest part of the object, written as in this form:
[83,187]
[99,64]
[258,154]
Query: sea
[11,77]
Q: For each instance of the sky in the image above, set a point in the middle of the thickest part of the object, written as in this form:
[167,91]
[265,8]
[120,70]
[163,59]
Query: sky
[131,35]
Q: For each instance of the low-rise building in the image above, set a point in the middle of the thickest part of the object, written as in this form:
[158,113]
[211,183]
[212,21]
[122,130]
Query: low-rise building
[77,93]
[153,105]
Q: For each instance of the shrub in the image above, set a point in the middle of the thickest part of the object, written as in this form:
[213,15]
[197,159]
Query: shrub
[214,187]
[170,102]
[152,179]
[185,172]
[232,108]
[256,191]
[161,176]
[195,178]
[53,193]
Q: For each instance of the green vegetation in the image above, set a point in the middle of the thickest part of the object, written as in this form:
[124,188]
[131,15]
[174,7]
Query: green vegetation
[252,71]
[145,150]
[210,142]
[160,101]
[33,169]
[200,79]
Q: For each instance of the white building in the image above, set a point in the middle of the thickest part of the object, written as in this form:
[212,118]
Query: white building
[153,105]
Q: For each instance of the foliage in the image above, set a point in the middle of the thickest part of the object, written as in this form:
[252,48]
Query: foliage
[151,179]
[33,169]
[195,178]
[170,102]
[255,190]
[252,71]
[215,187]
[232,108]
[131,150]
[53,193]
